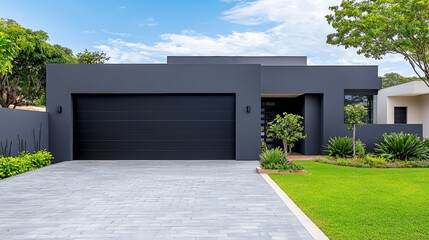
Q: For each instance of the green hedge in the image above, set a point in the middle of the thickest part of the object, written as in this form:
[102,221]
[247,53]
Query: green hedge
[10,166]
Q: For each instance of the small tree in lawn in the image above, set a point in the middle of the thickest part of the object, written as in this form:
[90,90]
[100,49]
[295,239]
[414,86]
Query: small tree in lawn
[287,128]
[354,115]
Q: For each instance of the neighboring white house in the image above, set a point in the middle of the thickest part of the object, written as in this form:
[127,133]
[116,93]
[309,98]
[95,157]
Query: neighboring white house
[407,103]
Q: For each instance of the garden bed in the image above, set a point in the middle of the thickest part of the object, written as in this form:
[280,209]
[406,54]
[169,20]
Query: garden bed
[365,163]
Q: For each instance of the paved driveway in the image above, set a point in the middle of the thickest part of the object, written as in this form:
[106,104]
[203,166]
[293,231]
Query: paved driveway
[144,200]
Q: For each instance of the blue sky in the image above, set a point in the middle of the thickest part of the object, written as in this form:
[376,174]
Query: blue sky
[146,31]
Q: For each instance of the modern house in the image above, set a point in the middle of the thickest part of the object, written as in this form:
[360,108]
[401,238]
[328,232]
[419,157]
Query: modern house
[406,103]
[203,107]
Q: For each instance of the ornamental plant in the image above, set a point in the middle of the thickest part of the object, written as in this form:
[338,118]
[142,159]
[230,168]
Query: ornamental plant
[354,115]
[402,146]
[287,128]
[342,147]
[275,159]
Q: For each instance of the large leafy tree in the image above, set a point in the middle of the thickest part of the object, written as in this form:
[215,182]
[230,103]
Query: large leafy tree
[287,128]
[354,115]
[380,27]
[7,53]
[23,81]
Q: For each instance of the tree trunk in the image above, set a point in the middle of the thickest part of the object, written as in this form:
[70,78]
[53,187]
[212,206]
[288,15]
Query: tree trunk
[354,141]
[285,148]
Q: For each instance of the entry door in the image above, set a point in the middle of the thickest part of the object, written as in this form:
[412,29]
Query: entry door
[167,126]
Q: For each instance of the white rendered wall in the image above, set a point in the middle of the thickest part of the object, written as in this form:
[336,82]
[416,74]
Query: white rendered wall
[413,95]
[382,107]
[413,109]
[387,95]
[424,103]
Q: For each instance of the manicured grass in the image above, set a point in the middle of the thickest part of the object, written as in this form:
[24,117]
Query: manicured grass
[361,203]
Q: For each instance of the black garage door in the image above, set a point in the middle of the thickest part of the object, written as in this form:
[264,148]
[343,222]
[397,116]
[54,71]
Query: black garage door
[123,126]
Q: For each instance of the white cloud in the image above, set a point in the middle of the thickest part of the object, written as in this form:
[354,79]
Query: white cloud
[119,34]
[231,1]
[296,27]
[188,43]
[89,31]
[148,22]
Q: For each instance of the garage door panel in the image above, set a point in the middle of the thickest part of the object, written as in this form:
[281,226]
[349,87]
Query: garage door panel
[170,126]
[198,145]
[154,155]
[172,116]
[153,125]
[164,135]
[88,103]
[164,106]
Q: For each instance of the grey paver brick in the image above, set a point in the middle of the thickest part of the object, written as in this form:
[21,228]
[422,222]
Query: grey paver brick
[144,200]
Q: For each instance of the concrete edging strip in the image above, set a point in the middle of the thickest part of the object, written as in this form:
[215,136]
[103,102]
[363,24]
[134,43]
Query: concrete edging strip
[314,231]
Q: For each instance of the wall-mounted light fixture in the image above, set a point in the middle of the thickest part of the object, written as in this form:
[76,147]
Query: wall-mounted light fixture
[248,109]
[59,109]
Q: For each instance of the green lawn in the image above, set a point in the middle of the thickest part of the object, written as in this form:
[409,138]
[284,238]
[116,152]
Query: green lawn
[362,203]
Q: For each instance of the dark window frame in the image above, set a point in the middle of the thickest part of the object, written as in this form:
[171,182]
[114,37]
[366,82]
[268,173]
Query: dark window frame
[366,97]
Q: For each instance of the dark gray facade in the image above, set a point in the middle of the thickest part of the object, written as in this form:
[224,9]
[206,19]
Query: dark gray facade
[330,82]
[371,133]
[31,126]
[315,92]
[63,81]
[321,91]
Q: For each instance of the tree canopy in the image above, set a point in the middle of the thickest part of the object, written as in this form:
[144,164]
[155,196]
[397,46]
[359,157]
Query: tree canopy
[7,53]
[380,27]
[87,57]
[393,79]
[24,54]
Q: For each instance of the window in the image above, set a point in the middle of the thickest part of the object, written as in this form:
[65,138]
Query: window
[367,98]
[400,115]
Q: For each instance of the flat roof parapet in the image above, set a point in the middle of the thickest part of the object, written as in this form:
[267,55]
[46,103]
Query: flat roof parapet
[263,60]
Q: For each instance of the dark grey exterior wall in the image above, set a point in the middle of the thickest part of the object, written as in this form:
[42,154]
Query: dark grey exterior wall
[369,134]
[241,80]
[262,60]
[313,122]
[330,82]
[23,123]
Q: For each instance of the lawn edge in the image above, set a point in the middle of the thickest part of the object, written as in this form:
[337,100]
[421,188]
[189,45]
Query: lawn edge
[314,231]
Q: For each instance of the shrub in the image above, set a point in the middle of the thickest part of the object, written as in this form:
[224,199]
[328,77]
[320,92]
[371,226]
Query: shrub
[374,160]
[343,147]
[10,166]
[275,159]
[344,162]
[402,146]
[263,145]
[426,143]
[360,148]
